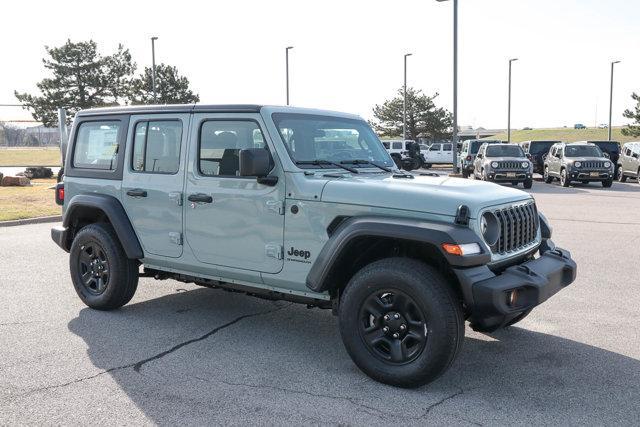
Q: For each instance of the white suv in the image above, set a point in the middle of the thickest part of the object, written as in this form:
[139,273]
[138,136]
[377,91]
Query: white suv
[629,162]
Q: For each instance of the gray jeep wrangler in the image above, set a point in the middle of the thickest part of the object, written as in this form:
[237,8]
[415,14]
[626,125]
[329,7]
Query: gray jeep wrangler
[503,163]
[578,161]
[305,206]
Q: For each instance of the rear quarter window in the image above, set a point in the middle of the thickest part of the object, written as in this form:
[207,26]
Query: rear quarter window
[96,145]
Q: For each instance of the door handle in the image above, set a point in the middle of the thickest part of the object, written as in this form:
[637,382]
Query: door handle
[200,198]
[137,192]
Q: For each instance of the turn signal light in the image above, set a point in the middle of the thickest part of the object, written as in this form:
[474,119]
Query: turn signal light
[461,250]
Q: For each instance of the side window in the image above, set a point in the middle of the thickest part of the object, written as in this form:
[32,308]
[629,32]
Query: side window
[627,152]
[156,146]
[397,145]
[220,143]
[435,147]
[96,145]
[446,147]
[386,144]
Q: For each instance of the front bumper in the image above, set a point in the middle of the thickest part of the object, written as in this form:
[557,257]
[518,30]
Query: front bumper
[487,295]
[580,175]
[509,176]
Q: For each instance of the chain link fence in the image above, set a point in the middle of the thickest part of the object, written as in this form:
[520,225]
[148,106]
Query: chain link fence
[19,130]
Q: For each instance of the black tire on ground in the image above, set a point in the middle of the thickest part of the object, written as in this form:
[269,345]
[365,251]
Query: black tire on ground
[607,183]
[515,183]
[103,277]
[423,300]
[564,180]
[621,177]
[483,175]
[465,173]
[528,183]
[428,166]
[548,179]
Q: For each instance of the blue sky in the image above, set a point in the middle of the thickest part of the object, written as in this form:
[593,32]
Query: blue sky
[348,54]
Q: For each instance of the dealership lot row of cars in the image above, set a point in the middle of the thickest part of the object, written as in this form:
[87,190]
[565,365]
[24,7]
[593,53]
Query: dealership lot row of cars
[493,160]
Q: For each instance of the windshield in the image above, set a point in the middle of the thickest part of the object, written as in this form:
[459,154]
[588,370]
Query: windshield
[540,147]
[504,150]
[611,147]
[582,151]
[310,137]
[475,145]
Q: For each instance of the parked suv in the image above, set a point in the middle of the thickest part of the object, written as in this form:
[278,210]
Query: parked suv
[629,162]
[468,154]
[306,206]
[579,161]
[503,163]
[537,151]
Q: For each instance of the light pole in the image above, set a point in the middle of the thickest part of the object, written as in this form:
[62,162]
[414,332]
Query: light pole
[509,103]
[611,97]
[286,53]
[454,137]
[153,68]
[404,101]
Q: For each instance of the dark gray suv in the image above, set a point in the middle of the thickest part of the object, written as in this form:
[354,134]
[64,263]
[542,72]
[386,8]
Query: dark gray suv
[503,163]
[583,162]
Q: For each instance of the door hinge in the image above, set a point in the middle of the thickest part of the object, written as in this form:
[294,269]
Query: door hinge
[274,251]
[276,206]
[176,196]
[175,238]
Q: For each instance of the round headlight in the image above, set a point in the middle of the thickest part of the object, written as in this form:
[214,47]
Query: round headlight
[525,164]
[489,228]
[577,164]
[607,164]
[494,164]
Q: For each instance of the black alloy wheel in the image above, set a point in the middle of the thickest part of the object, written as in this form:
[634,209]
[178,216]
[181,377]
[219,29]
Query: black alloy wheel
[392,326]
[93,267]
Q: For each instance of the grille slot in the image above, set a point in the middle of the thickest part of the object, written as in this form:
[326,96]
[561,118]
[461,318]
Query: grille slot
[518,227]
[510,165]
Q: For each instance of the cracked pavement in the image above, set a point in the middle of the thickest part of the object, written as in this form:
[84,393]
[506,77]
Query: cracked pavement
[183,354]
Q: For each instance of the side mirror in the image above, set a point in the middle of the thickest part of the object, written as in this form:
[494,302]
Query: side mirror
[255,162]
[529,156]
[607,155]
[479,155]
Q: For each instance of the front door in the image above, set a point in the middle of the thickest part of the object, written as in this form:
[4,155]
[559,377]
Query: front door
[232,221]
[153,179]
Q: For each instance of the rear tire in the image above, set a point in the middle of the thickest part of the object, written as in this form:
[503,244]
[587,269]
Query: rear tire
[425,304]
[103,277]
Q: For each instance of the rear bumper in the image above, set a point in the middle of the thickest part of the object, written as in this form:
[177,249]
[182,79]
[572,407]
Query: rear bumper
[59,235]
[487,294]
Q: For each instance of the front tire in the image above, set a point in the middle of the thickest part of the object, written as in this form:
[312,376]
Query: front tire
[400,322]
[103,277]
[607,183]
[564,180]
[528,183]
[547,178]
[620,175]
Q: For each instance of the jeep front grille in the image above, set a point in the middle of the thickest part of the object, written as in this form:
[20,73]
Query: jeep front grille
[518,227]
[592,165]
[510,165]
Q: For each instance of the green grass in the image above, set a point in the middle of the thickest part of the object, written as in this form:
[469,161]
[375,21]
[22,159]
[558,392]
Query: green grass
[28,202]
[564,135]
[30,157]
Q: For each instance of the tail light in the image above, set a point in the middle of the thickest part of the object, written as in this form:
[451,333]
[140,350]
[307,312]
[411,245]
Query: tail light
[60,193]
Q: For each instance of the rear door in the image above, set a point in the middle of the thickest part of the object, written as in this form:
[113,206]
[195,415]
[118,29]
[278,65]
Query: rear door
[153,179]
[446,155]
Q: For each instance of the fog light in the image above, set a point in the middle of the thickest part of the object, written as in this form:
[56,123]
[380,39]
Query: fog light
[512,298]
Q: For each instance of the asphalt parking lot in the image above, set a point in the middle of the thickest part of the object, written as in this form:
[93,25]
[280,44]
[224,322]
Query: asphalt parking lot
[183,354]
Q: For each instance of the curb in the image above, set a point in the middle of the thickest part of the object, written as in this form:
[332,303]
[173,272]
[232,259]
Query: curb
[39,220]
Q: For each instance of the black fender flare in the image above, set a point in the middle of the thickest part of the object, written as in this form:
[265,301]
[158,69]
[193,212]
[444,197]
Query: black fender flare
[116,214]
[431,232]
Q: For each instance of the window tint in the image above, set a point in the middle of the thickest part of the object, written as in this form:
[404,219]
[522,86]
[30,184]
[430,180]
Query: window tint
[386,144]
[221,142]
[397,145]
[435,147]
[504,150]
[446,147]
[156,146]
[627,152]
[97,145]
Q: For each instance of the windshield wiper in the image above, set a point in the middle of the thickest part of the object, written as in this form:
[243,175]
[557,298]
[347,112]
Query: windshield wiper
[325,162]
[366,162]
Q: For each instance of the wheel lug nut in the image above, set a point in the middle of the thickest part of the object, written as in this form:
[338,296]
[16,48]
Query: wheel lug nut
[385,329]
[395,335]
[403,327]
[396,316]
